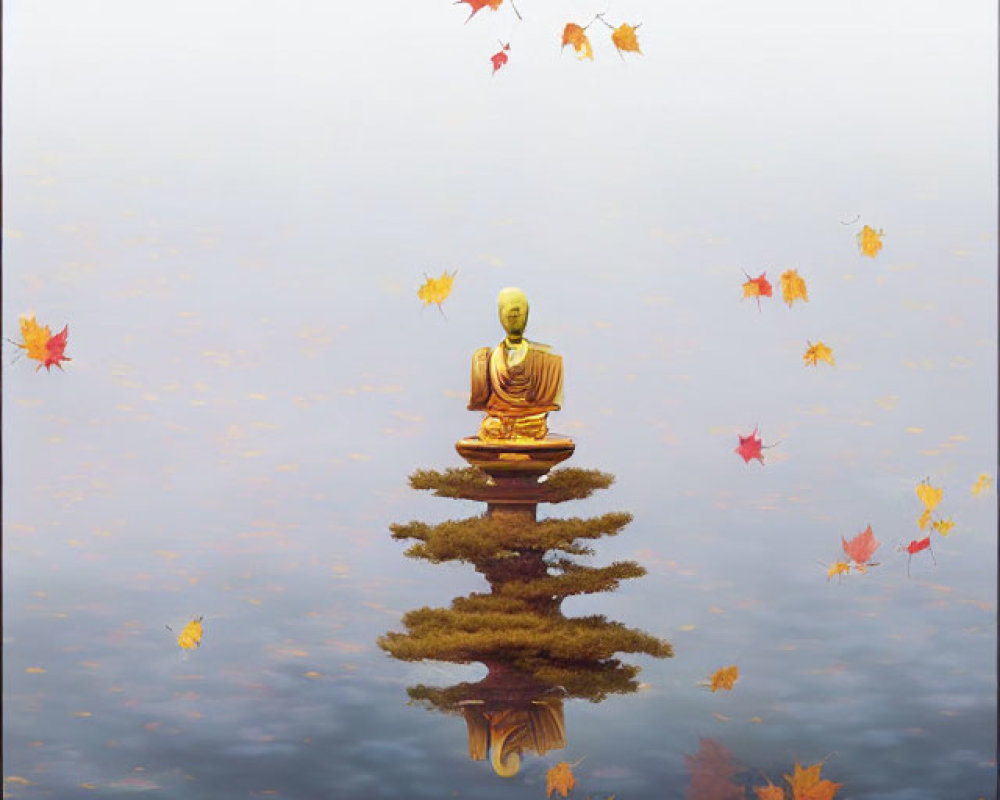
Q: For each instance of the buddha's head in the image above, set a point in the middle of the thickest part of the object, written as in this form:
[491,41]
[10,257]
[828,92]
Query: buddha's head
[512,304]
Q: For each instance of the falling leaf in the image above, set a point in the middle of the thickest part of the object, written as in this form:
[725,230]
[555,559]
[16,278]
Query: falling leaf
[559,779]
[870,241]
[499,59]
[838,568]
[769,792]
[924,519]
[575,35]
[750,447]
[479,5]
[757,287]
[190,637]
[861,547]
[436,290]
[929,495]
[624,38]
[807,785]
[982,484]
[724,678]
[817,352]
[943,526]
[793,287]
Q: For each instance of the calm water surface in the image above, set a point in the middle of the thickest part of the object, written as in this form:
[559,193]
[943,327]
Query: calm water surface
[233,208]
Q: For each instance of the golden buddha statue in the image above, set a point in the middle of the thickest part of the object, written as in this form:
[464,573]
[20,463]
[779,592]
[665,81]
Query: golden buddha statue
[518,382]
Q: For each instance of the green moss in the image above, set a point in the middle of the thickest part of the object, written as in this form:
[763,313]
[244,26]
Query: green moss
[470,483]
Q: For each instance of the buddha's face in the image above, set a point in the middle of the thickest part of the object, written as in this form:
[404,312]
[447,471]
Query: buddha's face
[514,316]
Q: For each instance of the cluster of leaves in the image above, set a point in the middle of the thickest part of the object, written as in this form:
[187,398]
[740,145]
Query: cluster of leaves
[713,771]
[623,35]
[40,345]
[858,550]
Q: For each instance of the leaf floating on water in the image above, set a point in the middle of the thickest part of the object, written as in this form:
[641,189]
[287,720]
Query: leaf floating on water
[943,526]
[870,241]
[838,568]
[807,785]
[929,495]
[625,40]
[479,5]
[190,636]
[724,678]
[816,353]
[499,58]
[575,35]
[769,792]
[436,290]
[750,447]
[40,345]
[793,287]
[757,287]
[983,484]
[861,548]
[559,779]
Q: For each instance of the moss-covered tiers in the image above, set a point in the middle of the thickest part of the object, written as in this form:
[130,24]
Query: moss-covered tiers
[470,483]
[519,626]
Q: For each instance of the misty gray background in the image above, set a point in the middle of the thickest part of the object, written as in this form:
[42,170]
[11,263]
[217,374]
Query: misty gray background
[232,205]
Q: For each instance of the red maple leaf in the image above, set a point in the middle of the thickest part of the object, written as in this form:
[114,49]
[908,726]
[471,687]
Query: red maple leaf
[915,547]
[757,287]
[479,5]
[55,347]
[862,546]
[500,57]
[750,447]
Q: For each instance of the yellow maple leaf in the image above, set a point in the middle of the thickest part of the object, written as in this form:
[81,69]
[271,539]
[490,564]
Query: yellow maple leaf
[793,287]
[724,678]
[436,290]
[817,352]
[929,495]
[575,35]
[624,38]
[838,568]
[924,519]
[807,785]
[559,779]
[870,241]
[769,792]
[190,637]
[34,338]
[943,526]
[982,484]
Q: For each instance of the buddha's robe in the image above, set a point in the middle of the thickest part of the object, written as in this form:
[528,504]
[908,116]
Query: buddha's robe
[517,388]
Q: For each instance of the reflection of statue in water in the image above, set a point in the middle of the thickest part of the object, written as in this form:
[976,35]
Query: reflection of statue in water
[518,382]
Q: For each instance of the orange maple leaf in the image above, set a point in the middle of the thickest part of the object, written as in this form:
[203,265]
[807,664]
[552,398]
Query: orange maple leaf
[559,779]
[436,290]
[624,38]
[575,35]
[479,5]
[793,287]
[34,338]
[817,352]
[769,792]
[807,785]
[724,678]
[757,287]
[870,241]
[861,548]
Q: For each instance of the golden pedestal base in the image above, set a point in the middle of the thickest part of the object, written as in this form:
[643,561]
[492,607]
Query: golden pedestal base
[515,458]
